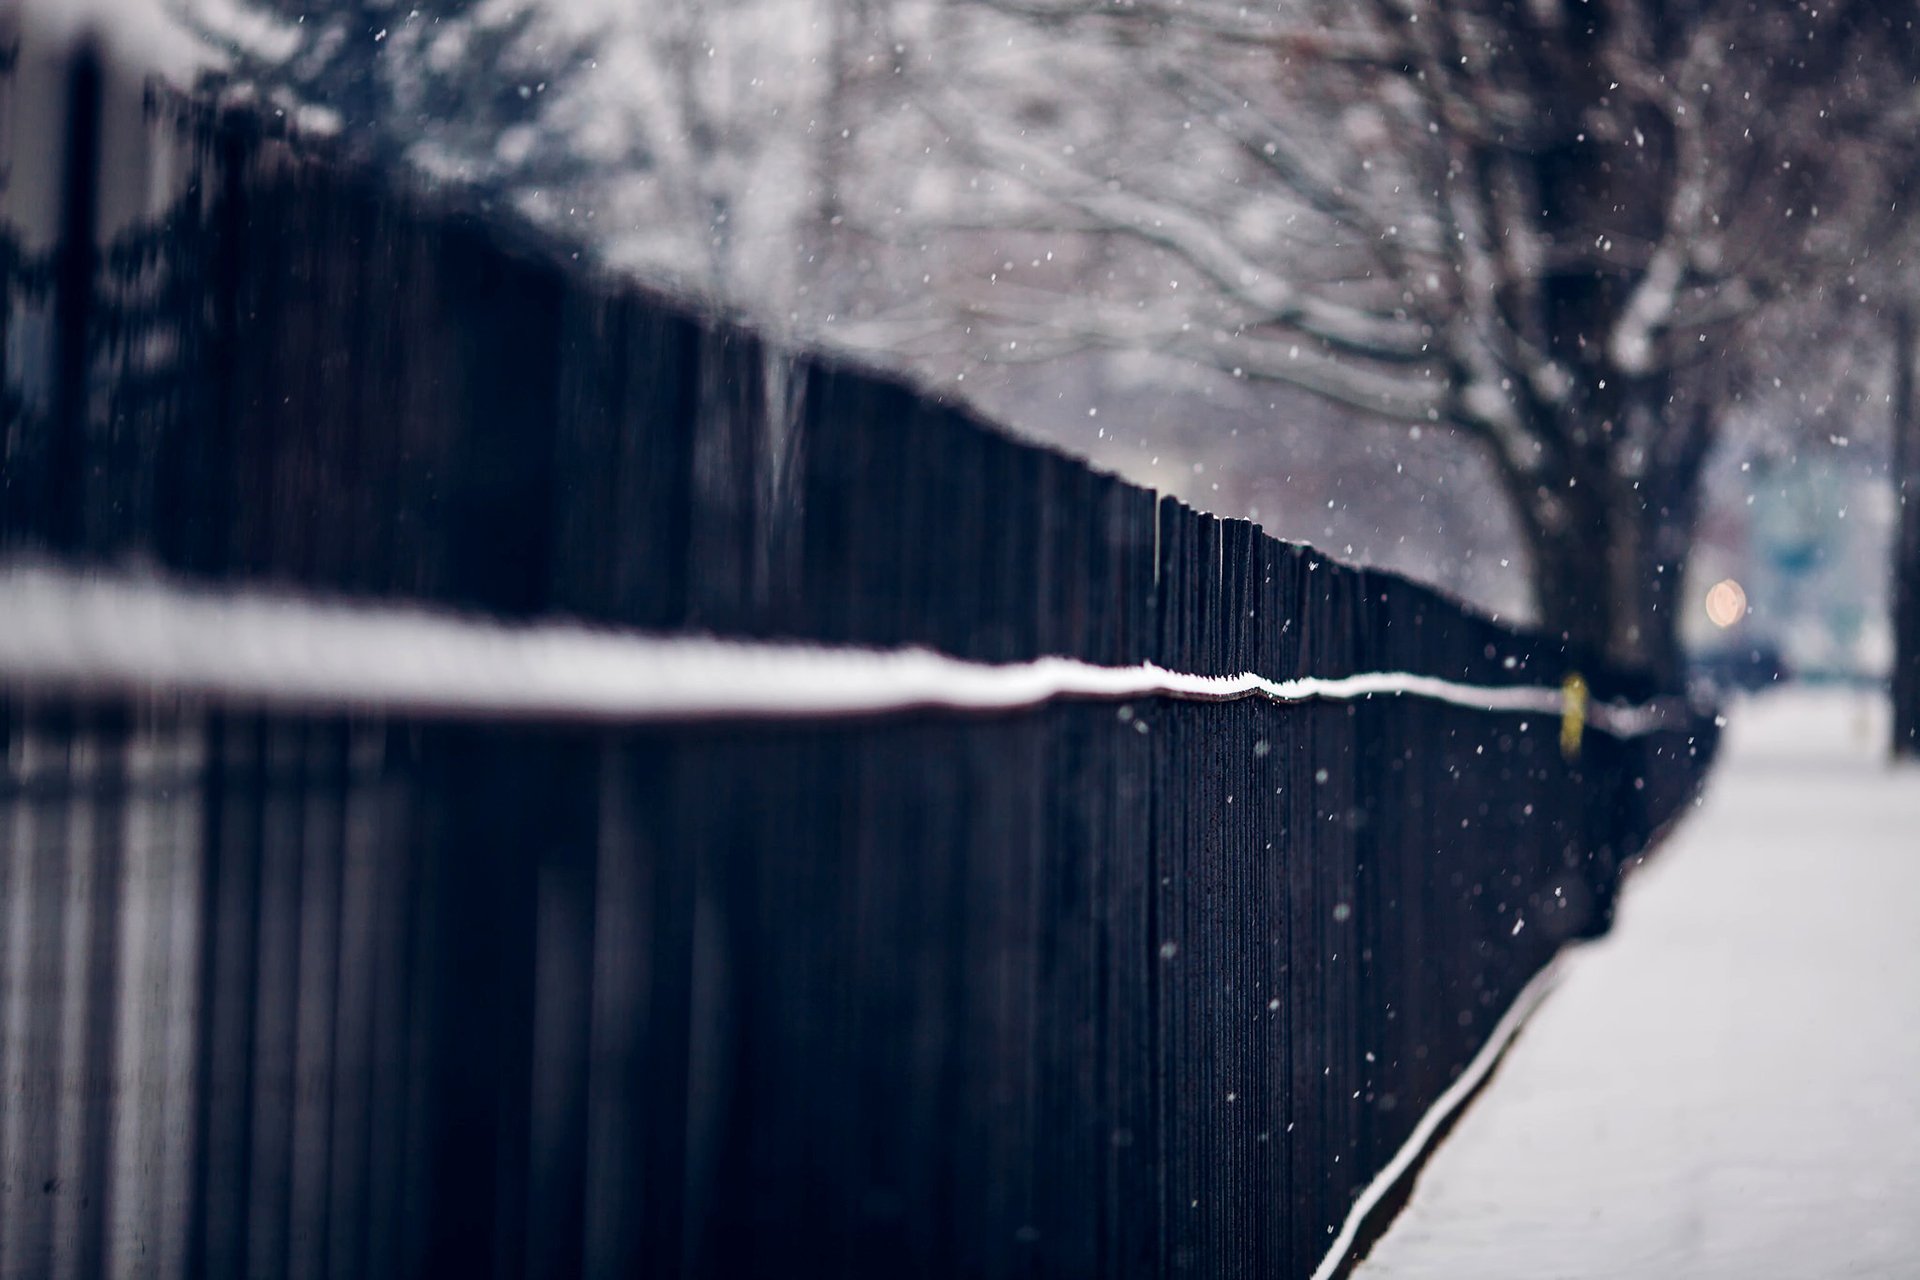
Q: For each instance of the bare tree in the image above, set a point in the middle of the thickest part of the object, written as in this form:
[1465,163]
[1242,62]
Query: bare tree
[1564,229]
[456,86]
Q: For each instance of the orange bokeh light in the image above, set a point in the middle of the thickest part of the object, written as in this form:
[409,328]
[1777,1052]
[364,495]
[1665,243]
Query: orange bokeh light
[1726,603]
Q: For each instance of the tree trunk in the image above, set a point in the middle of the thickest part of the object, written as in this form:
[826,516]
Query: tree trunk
[1611,589]
[1654,538]
[1906,550]
[1573,588]
[1613,510]
[1610,543]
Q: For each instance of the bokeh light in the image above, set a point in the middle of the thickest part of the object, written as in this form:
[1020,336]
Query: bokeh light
[1726,602]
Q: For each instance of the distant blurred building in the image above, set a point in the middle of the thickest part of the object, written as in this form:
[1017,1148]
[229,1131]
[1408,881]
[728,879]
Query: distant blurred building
[1807,537]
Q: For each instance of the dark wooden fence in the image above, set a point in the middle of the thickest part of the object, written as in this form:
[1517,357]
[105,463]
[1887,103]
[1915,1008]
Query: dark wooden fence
[1089,988]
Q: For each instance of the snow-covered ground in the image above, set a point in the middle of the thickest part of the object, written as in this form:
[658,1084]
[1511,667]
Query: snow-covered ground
[1729,1084]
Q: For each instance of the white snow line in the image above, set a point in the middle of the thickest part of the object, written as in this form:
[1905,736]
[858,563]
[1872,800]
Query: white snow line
[67,630]
[1439,1113]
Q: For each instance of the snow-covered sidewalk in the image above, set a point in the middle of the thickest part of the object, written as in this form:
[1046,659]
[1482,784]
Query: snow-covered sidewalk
[1729,1084]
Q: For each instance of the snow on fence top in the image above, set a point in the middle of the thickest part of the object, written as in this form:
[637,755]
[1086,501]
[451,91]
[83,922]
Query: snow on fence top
[85,634]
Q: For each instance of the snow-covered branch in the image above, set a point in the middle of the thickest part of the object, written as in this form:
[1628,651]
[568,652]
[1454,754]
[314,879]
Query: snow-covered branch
[1202,242]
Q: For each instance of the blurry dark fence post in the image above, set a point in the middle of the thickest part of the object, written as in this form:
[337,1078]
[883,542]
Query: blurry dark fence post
[75,262]
[1906,546]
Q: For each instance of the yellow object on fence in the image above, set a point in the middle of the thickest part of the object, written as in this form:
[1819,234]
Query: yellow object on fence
[1573,714]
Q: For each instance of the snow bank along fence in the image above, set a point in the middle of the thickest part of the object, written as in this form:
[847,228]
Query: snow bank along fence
[393,883]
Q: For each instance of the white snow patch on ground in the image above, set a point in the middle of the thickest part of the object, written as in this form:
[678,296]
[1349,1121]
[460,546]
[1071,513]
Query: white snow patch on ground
[1729,1084]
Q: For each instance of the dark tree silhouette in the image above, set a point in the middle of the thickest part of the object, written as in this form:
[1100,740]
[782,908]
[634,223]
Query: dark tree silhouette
[441,81]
